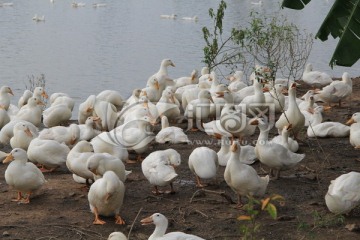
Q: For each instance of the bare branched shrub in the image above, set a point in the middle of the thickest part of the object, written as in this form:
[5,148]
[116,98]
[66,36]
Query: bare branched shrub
[33,82]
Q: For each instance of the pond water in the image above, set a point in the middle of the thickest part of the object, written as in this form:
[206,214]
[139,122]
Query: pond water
[85,50]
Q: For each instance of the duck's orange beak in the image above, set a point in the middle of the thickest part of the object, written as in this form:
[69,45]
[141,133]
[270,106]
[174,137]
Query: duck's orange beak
[8,158]
[147,221]
[350,121]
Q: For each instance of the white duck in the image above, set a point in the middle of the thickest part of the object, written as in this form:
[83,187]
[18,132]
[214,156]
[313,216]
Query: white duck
[99,163]
[153,91]
[6,133]
[326,129]
[183,81]
[354,121]
[161,224]
[159,168]
[236,82]
[203,162]
[254,102]
[308,111]
[194,18]
[343,194]
[275,156]
[135,113]
[133,99]
[62,99]
[113,97]
[180,91]
[292,115]
[285,140]
[37,18]
[167,106]
[198,110]
[275,96]
[315,78]
[86,109]
[56,95]
[4,117]
[40,93]
[247,153]
[243,179]
[191,94]
[162,75]
[244,92]
[154,113]
[170,134]
[224,152]
[50,154]
[307,102]
[77,158]
[69,135]
[205,75]
[88,130]
[336,91]
[105,142]
[214,82]
[76,4]
[96,5]
[215,129]
[21,175]
[22,136]
[234,121]
[167,16]
[31,112]
[56,115]
[117,236]
[24,98]
[107,112]
[106,196]
[5,92]
[135,137]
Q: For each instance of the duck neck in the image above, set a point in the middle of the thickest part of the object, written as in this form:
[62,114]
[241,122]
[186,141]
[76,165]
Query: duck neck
[225,145]
[164,123]
[317,118]
[163,69]
[263,136]
[235,157]
[159,231]
[285,138]
[292,100]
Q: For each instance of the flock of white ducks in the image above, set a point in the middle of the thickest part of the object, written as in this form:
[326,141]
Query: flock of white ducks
[96,149]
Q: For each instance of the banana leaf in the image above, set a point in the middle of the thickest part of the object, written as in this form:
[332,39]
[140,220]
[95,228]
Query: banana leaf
[295,4]
[343,21]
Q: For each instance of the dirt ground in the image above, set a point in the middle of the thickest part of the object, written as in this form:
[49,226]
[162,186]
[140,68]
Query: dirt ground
[60,209]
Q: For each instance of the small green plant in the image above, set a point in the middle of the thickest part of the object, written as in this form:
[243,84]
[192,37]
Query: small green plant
[270,41]
[253,210]
[327,220]
[218,49]
[38,81]
[319,220]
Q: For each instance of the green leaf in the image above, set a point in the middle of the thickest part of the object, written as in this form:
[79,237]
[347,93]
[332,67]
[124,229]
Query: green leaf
[277,197]
[272,210]
[294,4]
[343,21]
